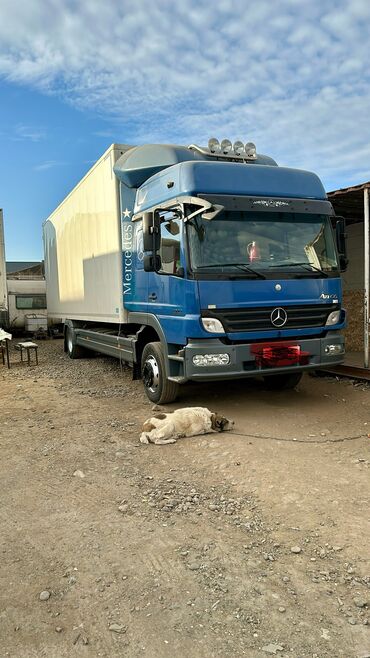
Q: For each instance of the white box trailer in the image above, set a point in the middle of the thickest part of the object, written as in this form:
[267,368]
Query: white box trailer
[3,292]
[83,248]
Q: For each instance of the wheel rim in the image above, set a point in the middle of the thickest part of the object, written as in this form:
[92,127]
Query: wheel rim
[151,374]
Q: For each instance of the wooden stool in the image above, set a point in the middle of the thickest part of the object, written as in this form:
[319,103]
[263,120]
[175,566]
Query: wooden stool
[28,346]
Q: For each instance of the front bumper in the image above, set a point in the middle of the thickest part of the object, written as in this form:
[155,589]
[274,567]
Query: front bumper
[243,362]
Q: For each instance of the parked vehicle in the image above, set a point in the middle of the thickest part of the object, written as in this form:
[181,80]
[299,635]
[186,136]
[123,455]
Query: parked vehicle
[198,264]
[27,305]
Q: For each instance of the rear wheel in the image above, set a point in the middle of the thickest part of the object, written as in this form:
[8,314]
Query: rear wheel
[73,350]
[157,387]
[283,381]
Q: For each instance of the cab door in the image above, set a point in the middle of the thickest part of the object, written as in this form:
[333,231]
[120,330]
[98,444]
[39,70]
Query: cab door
[141,283]
[166,287]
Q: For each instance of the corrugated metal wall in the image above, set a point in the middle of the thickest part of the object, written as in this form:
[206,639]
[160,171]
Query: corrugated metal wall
[353,288]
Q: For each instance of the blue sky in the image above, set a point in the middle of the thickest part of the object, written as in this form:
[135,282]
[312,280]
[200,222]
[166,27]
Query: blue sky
[290,75]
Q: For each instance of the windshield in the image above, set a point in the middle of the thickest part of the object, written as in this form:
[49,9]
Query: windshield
[262,242]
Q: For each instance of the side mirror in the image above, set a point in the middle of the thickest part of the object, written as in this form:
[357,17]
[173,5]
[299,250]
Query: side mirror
[172,227]
[340,234]
[151,235]
[343,262]
[152,263]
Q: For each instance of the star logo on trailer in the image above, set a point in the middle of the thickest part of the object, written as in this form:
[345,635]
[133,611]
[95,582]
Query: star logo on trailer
[126,213]
[279,317]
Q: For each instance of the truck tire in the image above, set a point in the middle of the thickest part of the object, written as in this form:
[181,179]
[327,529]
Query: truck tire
[157,387]
[283,381]
[73,350]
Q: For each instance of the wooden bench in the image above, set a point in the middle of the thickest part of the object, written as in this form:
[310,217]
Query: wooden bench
[28,346]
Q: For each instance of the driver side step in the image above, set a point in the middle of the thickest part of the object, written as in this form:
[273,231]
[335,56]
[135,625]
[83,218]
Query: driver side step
[121,347]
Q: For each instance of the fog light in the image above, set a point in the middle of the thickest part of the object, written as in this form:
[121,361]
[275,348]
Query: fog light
[333,317]
[212,325]
[211,359]
[334,349]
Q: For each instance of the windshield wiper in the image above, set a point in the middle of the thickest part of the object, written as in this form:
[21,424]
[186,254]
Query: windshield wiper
[240,266]
[308,266]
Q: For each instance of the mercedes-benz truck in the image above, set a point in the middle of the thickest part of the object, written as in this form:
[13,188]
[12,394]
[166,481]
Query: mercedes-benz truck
[198,264]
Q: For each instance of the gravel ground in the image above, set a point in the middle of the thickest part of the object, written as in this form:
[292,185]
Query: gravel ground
[250,543]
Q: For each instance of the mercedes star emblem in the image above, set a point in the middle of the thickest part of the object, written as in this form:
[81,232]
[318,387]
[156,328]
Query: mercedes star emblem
[278,317]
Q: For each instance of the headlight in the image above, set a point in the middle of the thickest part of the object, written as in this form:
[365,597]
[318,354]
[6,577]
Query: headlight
[213,326]
[226,146]
[211,359]
[333,318]
[250,149]
[334,349]
[238,148]
[214,145]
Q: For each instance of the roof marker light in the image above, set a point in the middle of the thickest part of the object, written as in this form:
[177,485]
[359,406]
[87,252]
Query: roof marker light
[226,146]
[238,148]
[214,145]
[250,149]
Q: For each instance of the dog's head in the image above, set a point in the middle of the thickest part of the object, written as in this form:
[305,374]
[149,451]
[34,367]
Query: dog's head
[220,423]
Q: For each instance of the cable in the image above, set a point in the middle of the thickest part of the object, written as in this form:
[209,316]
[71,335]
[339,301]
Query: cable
[276,438]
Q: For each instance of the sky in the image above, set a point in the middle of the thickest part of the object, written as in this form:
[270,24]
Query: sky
[290,75]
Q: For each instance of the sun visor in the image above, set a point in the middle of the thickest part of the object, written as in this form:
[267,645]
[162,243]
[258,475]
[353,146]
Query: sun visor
[135,166]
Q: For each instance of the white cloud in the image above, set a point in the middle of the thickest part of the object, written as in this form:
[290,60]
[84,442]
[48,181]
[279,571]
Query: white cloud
[32,133]
[292,76]
[49,164]
[105,133]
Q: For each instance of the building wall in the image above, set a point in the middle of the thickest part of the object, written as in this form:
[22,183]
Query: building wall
[3,295]
[353,288]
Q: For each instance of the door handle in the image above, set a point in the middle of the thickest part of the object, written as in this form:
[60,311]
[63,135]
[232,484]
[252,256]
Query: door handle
[152,297]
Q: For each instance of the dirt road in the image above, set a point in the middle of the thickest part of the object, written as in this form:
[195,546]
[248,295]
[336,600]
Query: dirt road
[251,543]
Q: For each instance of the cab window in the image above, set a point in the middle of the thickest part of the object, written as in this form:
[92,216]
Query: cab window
[169,250]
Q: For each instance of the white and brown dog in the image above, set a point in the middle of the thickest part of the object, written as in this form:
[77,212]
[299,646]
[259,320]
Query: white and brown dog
[165,428]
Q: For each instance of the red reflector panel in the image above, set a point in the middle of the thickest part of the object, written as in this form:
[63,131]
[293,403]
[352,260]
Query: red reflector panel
[277,355]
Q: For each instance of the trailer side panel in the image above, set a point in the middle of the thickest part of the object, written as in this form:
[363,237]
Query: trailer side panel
[83,248]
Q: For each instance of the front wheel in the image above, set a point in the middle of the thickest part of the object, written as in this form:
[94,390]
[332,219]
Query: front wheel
[283,381]
[157,387]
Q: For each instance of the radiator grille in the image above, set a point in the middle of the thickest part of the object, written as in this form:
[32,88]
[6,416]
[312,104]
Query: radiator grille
[259,319]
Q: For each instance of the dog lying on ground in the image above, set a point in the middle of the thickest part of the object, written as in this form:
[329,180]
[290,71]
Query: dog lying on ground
[165,428]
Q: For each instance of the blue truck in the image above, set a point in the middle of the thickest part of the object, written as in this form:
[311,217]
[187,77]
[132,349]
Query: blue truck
[198,264]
